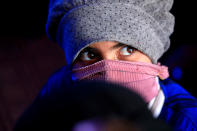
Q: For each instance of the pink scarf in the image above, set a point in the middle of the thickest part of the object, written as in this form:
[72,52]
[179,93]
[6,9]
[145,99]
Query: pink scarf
[137,76]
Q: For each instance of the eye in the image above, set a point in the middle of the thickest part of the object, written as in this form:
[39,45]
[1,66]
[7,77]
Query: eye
[88,54]
[126,50]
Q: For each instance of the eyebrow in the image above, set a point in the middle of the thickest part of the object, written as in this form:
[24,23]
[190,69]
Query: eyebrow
[112,48]
[117,46]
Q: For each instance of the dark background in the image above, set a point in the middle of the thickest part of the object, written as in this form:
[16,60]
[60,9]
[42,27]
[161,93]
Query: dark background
[28,58]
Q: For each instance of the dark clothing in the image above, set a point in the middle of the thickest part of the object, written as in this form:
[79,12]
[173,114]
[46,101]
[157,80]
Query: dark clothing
[179,110]
[98,102]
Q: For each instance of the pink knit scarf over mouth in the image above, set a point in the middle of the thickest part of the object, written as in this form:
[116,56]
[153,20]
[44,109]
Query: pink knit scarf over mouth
[137,76]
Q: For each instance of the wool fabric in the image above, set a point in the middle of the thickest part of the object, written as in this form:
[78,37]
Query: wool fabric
[143,24]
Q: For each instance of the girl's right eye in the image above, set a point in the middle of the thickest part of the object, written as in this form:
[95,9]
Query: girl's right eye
[88,56]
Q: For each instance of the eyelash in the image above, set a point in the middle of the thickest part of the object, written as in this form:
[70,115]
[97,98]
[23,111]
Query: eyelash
[130,53]
[86,51]
[90,51]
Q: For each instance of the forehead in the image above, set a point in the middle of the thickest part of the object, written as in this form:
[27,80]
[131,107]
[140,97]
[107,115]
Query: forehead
[105,45]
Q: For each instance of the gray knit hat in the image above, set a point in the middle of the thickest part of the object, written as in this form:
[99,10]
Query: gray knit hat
[143,24]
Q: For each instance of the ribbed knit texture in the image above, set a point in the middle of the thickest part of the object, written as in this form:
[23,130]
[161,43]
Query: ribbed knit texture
[144,24]
[137,76]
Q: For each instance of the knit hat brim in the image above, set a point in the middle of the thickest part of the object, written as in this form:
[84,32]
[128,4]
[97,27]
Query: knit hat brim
[139,27]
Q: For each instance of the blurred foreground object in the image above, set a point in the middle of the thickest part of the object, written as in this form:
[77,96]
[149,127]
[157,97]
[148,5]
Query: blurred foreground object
[94,105]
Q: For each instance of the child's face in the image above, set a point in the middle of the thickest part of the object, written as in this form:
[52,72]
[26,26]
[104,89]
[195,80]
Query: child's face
[109,50]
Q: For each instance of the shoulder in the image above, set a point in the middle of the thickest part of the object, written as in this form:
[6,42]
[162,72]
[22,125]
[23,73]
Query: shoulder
[61,77]
[180,107]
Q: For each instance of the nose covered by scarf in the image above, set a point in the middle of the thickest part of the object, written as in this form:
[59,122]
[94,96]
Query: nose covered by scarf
[137,76]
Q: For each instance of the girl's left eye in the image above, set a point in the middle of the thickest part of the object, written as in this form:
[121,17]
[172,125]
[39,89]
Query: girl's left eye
[127,50]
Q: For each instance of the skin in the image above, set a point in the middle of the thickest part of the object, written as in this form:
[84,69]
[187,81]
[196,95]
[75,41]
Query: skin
[109,50]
